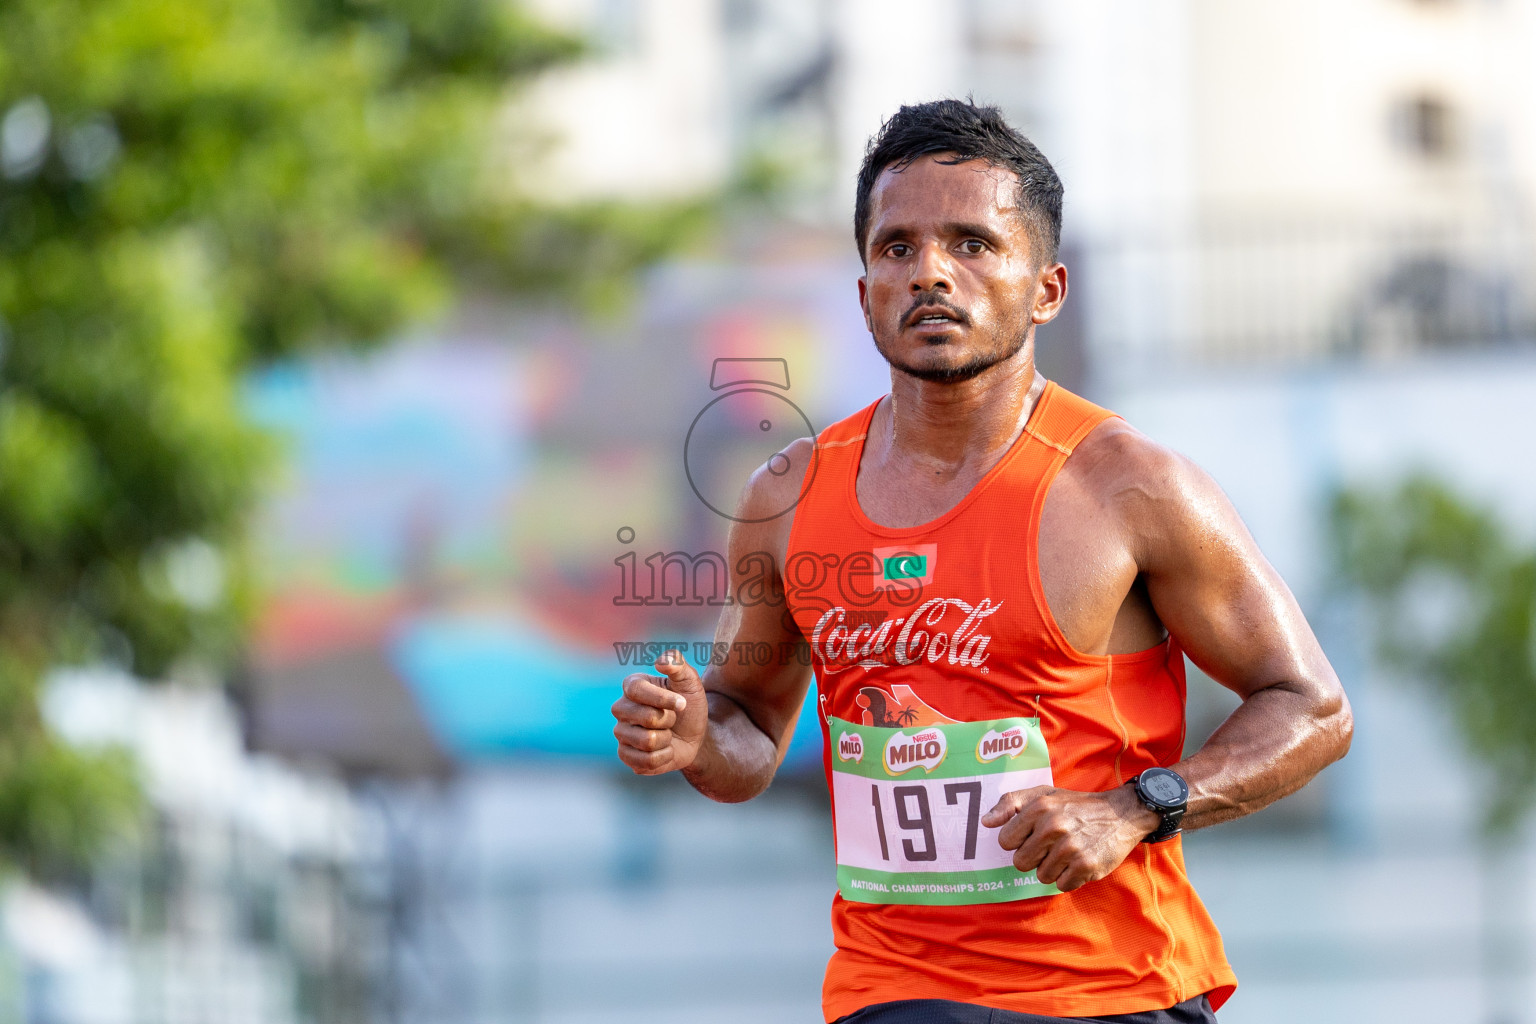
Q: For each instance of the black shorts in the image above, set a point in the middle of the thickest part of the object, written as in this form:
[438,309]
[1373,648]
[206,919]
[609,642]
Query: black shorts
[942,1011]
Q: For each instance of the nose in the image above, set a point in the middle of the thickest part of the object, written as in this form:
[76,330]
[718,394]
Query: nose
[932,270]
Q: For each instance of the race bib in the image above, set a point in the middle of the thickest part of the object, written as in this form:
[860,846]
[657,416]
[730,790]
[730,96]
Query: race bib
[908,805]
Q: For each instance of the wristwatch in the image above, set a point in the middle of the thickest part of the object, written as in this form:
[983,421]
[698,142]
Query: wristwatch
[1166,792]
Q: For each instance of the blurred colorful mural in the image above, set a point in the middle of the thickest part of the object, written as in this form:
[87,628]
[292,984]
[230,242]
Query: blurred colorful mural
[479,530]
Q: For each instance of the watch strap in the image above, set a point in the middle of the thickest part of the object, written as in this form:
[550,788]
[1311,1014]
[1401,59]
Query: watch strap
[1170,827]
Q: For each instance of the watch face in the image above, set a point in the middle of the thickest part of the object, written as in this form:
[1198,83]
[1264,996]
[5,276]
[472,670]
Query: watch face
[1163,787]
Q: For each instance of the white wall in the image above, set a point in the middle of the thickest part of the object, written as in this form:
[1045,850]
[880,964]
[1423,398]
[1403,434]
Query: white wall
[890,52]
[645,116]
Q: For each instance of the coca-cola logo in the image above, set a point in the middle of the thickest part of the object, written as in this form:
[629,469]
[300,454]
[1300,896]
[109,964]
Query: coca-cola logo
[941,628]
[924,749]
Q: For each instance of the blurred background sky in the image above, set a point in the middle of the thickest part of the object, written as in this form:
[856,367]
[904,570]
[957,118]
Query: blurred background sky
[495,315]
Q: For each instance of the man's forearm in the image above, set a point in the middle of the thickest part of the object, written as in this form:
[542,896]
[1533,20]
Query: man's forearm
[1269,747]
[737,760]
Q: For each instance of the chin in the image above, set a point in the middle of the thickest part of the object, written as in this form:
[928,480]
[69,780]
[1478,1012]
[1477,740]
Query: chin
[944,363]
[953,369]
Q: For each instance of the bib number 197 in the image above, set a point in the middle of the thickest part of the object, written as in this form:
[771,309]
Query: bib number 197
[908,797]
[908,806]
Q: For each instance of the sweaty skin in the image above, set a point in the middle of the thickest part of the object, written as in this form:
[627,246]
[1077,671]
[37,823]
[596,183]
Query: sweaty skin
[1135,542]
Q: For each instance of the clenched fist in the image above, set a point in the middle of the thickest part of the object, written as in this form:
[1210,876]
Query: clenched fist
[1070,838]
[661,719]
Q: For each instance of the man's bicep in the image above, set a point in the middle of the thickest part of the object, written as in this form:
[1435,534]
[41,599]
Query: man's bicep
[758,660]
[1216,592]
[760,667]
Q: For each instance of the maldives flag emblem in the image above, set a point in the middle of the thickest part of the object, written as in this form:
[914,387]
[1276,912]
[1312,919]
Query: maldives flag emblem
[907,562]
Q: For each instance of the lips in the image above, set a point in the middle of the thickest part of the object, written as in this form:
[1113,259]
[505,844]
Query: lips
[933,316]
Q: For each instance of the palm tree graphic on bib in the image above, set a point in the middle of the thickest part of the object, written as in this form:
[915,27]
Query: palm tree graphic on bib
[897,708]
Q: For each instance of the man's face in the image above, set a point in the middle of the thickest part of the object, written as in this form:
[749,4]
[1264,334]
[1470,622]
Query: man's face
[953,282]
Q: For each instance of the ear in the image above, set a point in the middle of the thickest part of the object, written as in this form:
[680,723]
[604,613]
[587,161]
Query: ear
[869,324]
[1050,295]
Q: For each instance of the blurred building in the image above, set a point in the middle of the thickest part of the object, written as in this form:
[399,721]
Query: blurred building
[1310,181]
[251,895]
[1252,181]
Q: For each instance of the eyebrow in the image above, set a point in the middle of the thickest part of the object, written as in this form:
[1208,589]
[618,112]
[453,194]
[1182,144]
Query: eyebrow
[897,232]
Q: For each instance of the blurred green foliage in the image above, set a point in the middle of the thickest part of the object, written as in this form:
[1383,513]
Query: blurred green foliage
[188,188]
[1453,597]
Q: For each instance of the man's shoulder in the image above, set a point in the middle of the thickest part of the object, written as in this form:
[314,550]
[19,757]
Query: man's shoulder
[1121,468]
[774,487]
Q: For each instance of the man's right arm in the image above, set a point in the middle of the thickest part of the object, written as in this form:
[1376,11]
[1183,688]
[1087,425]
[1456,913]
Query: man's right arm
[728,732]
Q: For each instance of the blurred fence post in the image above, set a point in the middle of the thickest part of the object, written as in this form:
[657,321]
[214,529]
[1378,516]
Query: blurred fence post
[1504,879]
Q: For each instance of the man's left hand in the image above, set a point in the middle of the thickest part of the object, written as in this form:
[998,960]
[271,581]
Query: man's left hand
[1070,838]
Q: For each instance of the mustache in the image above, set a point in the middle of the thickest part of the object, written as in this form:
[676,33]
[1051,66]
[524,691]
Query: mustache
[932,299]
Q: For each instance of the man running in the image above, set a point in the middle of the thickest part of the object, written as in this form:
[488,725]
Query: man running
[999,582]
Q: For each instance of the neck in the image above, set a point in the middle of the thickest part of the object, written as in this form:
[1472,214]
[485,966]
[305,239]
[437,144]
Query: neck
[954,425]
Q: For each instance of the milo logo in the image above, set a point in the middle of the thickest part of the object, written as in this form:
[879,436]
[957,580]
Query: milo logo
[850,747]
[1008,743]
[924,749]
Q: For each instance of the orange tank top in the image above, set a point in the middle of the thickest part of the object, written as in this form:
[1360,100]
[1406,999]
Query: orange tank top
[944,681]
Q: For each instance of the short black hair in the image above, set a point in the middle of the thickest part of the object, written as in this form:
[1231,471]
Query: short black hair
[970,132]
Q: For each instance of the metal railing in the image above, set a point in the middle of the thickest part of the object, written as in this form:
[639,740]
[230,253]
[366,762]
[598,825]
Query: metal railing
[1294,293]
